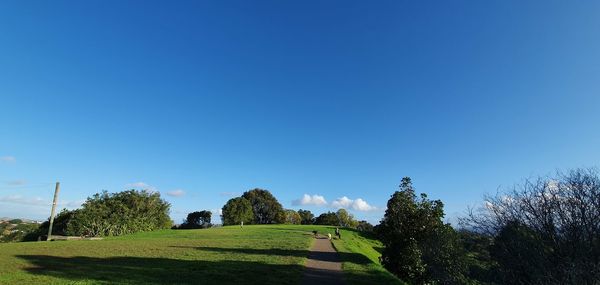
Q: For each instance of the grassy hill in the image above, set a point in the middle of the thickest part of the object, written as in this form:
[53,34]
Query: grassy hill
[269,254]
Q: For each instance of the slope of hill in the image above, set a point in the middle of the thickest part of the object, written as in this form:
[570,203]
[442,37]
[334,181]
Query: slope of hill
[269,254]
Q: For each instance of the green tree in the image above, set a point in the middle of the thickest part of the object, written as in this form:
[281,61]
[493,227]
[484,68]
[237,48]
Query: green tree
[364,226]
[113,214]
[59,227]
[266,208]
[346,219]
[197,220]
[307,217]
[292,217]
[418,246]
[237,210]
[329,218]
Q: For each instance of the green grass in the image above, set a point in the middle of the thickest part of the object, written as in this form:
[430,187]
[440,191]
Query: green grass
[362,267]
[269,254]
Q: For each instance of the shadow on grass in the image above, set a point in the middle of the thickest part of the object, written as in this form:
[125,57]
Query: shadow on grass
[322,256]
[142,270]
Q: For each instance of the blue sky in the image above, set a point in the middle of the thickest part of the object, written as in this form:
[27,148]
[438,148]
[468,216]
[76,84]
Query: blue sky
[204,100]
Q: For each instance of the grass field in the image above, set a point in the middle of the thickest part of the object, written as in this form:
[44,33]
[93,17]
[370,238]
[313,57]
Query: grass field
[269,254]
[361,262]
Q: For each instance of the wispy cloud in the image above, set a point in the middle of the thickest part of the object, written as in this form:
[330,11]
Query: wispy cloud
[40,202]
[19,182]
[230,194]
[8,159]
[176,193]
[141,186]
[18,199]
[315,200]
[71,204]
[356,204]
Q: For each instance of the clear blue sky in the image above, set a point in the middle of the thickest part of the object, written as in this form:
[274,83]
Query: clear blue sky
[328,98]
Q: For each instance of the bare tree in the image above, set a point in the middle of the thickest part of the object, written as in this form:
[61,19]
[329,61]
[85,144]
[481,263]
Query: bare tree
[562,213]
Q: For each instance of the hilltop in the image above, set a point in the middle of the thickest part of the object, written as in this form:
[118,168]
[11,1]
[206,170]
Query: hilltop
[260,254]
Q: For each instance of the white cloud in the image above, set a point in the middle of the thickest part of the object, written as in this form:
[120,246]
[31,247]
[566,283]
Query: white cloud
[362,205]
[357,205]
[176,193]
[316,200]
[343,202]
[141,186]
[8,159]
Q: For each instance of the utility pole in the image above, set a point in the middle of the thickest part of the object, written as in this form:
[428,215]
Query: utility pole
[53,209]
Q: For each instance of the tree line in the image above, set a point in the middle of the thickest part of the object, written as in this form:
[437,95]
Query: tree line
[259,206]
[544,231]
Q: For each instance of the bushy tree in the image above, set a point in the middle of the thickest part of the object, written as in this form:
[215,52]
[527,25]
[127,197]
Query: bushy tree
[237,210]
[329,218]
[197,220]
[292,217]
[307,217]
[418,246]
[113,214]
[266,208]
[60,225]
[346,219]
[364,226]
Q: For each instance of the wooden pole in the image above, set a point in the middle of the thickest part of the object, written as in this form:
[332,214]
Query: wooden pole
[53,209]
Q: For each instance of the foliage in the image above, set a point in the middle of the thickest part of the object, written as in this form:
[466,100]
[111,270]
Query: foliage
[266,208]
[120,213]
[364,226]
[59,227]
[292,217]
[345,219]
[545,230]
[329,218]
[418,246]
[307,217]
[237,210]
[478,260]
[197,220]
[14,231]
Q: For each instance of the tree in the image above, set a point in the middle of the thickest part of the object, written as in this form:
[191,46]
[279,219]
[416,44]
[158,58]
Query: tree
[418,246]
[120,213]
[329,218]
[307,217]
[364,226]
[197,220]
[346,219]
[266,209]
[237,210]
[292,217]
[553,221]
[60,225]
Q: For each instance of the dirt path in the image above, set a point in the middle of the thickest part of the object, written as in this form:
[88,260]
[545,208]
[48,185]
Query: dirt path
[323,266]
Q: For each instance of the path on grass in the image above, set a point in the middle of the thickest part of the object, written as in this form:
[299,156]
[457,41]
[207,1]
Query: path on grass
[323,266]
